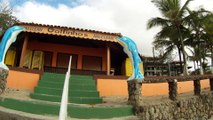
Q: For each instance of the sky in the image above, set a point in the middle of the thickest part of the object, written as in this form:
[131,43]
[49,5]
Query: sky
[128,17]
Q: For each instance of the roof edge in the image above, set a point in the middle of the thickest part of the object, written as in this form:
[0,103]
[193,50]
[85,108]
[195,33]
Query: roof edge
[46,25]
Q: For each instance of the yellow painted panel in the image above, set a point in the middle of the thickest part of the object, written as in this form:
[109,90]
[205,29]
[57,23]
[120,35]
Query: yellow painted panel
[38,60]
[28,59]
[128,67]
[10,57]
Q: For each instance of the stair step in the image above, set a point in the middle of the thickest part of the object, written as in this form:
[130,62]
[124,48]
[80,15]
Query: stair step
[62,76]
[70,82]
[86,81]
[79,100]
[86,100]
[82,76]
[71,87]
[45,97]
[82,87]
[53,75]
[30,107]
[74,111]
[60,85]
[73,93]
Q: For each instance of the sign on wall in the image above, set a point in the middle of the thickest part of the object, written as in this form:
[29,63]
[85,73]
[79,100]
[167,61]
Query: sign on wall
[69,32]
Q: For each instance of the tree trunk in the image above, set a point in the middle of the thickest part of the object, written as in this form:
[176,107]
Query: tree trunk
[185,70]
[200,60]
[180,58]
[197,64]
[3,79]
[212,59]
[135,95]
[194,65]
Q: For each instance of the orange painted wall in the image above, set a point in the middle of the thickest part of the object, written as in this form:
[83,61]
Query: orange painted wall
[22,80]
[55,48]
[112,87]
[115,87]
[154,89]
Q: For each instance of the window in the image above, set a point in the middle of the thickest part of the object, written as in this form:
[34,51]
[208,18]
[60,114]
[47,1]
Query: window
[92,63]
[48,58]
[63,60]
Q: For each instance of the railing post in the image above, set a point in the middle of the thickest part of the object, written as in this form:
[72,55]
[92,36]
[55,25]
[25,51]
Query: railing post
[211,84]
[172,89]
[135,95]
[3,79]
[197,87]
[134,91]
[65,98]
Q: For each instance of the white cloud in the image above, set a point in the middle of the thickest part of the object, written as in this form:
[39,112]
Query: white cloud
[207,4]
[124,16]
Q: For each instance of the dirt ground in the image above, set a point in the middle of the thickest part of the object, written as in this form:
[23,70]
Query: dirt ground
[7,114]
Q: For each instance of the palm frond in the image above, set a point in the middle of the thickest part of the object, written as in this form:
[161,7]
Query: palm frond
[153,22]
[183,8]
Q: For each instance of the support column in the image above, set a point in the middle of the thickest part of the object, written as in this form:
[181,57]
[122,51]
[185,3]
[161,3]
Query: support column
[108,61]
[23,51]
[54,59]
[80,63]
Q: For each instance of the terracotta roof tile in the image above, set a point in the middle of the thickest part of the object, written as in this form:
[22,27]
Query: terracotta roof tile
[89,30]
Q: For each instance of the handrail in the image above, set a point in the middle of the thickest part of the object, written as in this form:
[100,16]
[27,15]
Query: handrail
[64,99]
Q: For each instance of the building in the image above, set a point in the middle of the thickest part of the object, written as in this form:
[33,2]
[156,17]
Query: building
[156,67]
[175,68]
[41,49]
[48,47]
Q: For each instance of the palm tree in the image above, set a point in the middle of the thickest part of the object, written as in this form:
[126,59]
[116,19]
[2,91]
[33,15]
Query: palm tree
[208,28]
[199,38]
[172,26]
[195,24]
[194,57]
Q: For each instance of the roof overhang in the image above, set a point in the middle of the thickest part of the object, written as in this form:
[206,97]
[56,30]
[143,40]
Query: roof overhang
[70,32]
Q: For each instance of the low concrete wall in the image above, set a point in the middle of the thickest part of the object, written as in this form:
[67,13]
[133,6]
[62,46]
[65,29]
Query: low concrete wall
[118,87]
[192,108]
[22,80]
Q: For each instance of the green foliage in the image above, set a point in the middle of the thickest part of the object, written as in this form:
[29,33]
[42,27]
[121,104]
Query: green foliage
[6,17]
[173,31]
[182,27]
[200,38]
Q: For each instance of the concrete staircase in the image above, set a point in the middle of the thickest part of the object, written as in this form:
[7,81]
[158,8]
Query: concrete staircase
[82,89]
[84,99]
